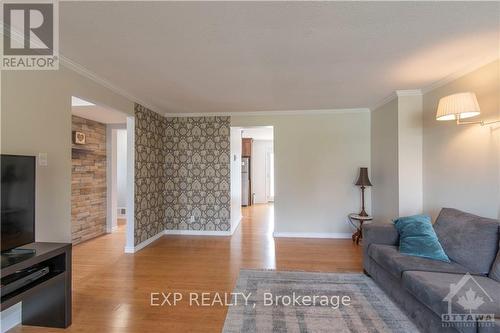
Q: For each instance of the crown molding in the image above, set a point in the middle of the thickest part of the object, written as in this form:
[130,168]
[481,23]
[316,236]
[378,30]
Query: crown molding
[419,92]
[412,92]
[458,74]
[384,101]
[269,113]
[70,64]
[396,94]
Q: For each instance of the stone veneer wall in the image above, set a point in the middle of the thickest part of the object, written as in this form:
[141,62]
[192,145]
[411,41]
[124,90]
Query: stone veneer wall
[150,173]
[88,181]
[198,173]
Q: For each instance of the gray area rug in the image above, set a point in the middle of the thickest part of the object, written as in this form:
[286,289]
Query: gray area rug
[369,309]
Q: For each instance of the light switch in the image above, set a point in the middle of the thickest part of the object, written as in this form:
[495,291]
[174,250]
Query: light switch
[43,159]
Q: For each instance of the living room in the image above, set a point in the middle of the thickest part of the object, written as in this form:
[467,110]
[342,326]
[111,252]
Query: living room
[385,144]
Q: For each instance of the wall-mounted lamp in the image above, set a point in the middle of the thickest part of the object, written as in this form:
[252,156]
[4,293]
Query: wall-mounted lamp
[460,106]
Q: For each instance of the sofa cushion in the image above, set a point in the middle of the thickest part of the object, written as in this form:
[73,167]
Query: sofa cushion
[470,240]
[433,289]
[494,328]
[495,268]
[396,263]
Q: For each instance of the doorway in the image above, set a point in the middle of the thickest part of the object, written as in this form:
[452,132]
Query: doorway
[257,165]
[100,150]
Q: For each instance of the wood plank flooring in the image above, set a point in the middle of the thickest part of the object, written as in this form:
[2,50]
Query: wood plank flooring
[111,290]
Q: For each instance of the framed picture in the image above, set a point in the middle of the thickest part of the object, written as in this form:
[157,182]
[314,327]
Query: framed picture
[78,138]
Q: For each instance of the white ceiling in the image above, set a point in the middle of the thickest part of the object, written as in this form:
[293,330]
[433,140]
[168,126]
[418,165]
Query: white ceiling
[258,133]
[257,56]
[100,114]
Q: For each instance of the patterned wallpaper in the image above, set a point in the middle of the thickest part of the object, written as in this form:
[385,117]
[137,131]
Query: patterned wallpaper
[198,179]
[182,179]
[150,174]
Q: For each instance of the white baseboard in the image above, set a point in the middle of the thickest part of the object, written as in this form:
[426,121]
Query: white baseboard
[236,225]
[140,246]
[198,232]
[335,235]
[11,317]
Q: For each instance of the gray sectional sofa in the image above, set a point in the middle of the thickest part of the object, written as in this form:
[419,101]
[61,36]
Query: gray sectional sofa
[422,287]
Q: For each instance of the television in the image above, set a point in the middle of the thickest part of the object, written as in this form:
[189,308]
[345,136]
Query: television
[17,200]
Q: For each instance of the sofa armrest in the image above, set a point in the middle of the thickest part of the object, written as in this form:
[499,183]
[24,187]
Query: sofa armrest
[380,233]
[377,233]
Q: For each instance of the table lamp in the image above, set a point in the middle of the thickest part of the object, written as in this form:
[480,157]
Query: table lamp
[363,181]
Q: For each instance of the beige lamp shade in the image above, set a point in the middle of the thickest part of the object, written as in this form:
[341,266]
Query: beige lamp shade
[458,106]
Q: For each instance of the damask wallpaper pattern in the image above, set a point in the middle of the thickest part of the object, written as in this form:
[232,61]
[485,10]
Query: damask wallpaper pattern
[198,178]
[150,174]
[182,173]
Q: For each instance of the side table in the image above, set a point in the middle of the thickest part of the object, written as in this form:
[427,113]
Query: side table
[358,234]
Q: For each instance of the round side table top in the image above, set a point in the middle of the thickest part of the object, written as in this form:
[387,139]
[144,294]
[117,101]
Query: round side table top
[360,218]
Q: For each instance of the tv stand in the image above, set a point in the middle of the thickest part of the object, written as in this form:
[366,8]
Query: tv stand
[19,251]
[47,300]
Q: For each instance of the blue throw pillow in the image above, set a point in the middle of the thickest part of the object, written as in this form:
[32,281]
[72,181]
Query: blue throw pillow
[417,238]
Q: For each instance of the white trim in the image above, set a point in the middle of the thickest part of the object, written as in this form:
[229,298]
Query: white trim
[452,77]
[140,246]
[11,317]
[130,226]
[395,94]
[133,249]
[384,101]
[110,178]
[411,92]
[312,235]
[235,226]
[198,233]
[70,64]
[458,74]
[270,113]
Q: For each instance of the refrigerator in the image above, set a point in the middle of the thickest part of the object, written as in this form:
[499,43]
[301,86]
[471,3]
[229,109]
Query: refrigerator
[245,181]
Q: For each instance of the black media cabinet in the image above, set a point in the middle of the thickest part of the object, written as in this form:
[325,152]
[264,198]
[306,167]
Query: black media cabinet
[46,301]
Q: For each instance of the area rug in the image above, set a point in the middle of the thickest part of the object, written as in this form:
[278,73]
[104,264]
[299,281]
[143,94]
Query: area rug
[272,301]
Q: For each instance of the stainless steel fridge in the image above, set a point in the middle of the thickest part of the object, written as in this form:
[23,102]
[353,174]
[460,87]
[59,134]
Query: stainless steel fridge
[245,181]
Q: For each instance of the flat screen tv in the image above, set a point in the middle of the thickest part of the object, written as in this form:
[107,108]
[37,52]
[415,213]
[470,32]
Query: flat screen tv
[17,200]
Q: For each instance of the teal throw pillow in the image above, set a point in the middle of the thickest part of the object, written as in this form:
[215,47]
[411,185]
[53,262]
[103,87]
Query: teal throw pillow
[418,238]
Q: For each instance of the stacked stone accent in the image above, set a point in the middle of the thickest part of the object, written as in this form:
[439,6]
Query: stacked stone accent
[88,181]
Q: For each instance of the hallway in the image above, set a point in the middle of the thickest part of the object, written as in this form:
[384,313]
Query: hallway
[111,289]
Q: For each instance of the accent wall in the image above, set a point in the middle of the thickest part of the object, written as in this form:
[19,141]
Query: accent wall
[150,174]
[88,181]
[198,173]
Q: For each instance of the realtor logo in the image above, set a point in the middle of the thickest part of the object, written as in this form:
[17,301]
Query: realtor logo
[30,32]
[465,300]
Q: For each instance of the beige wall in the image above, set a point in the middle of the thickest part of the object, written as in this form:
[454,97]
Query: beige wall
[384,154]
[461,163]
[36,117]
[410,143]
[316,164]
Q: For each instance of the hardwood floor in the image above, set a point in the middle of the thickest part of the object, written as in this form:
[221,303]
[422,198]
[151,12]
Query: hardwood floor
[111,290]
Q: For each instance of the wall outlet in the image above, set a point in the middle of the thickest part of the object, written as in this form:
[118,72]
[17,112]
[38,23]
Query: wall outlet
[192,220]
[43,159]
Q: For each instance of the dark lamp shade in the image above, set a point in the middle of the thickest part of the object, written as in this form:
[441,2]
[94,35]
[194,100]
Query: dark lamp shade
[363,179]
